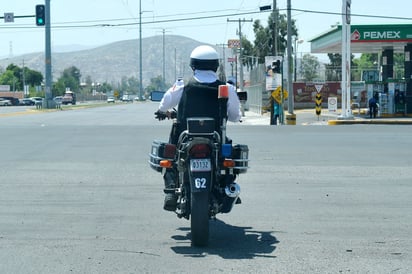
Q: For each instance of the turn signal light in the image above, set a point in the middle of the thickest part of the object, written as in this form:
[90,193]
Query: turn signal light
[166,163]
[228,163]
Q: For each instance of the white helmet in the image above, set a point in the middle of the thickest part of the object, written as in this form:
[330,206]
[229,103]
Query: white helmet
[204,58]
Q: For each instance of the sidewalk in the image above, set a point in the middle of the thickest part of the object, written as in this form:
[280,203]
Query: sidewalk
[308,117]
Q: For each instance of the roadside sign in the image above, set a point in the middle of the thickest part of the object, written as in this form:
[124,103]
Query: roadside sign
[333,104]
[8,17]
[318,87]
[276,94]
[233,43]
[318,105]
[231,59]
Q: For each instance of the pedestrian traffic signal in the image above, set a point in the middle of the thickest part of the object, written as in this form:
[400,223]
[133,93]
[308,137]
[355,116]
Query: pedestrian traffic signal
[40,15]
[276,66]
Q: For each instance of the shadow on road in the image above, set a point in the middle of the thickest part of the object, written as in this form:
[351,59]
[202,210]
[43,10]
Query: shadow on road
[229,242]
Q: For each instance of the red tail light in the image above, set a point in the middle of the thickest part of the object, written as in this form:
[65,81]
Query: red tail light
[200,151]
[170,151]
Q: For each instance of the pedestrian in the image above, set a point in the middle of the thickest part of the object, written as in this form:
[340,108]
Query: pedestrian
[373,107]
[276,112]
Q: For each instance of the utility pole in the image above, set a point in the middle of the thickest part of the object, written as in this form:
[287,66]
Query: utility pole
[346,59]
[24,79]
[290,63]
[140,53]
[275,30]
[164,56]
[240,50]
[223,62]
[48,63]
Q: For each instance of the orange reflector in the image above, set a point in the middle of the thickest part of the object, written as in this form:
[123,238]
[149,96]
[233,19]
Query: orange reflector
[223,91]
[228,163]
[166,163]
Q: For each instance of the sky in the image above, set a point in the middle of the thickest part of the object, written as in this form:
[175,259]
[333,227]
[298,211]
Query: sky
[91,23]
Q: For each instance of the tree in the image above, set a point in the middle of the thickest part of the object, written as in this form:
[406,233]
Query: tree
[70,78]
[264,44]
[156,83]
[16,77]
[32,77]
[8,78]
[334,68]
[309,67]
[247,51]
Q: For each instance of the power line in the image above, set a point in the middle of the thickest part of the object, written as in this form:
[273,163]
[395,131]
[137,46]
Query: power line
[109,22]
[355,15]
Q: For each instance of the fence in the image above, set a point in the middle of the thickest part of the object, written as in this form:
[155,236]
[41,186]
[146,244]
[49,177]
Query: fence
[257,95]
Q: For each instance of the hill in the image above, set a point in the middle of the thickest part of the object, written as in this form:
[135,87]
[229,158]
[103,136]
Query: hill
[111,62]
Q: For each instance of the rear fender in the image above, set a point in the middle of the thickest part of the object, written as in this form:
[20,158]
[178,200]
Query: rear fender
[200,181]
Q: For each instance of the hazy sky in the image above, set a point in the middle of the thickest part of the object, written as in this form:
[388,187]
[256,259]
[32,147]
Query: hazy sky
[81,22]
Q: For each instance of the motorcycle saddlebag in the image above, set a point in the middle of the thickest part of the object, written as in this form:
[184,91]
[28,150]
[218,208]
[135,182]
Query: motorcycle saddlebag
[240,155]
[160,151]
[202,125]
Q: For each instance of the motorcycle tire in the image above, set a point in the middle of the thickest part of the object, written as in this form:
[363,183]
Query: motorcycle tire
[199,219]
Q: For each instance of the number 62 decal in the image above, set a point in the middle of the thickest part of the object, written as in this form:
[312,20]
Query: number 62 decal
[200,182]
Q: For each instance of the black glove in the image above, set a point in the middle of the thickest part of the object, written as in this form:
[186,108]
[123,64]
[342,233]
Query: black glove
[173,114]
[159,115]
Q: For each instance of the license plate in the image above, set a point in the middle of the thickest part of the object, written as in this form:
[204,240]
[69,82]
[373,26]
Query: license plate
[200,165]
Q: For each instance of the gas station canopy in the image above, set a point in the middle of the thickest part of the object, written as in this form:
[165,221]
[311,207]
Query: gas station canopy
[364,39]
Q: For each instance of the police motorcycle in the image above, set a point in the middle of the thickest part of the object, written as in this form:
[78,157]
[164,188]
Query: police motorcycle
[206,165]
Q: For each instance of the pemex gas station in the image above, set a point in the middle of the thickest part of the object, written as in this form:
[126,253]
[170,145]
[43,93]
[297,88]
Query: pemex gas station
[394,95]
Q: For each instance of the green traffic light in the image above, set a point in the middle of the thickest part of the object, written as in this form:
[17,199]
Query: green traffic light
[40,15]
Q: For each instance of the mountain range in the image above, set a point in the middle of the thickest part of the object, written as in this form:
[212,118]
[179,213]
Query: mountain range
[110,63]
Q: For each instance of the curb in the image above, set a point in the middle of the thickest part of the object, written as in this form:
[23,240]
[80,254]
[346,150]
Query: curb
[370,122]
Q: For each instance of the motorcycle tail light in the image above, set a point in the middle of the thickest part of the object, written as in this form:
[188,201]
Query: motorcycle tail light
[166,163]
[200,151]
[228,163]
[169,151]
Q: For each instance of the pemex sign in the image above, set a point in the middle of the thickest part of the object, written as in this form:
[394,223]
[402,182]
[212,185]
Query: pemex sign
[381,33]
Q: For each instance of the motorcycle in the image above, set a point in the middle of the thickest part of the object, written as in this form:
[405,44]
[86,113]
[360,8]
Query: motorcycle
[206,166]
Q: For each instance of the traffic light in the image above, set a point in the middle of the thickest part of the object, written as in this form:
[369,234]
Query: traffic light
[276,66]
[40,15]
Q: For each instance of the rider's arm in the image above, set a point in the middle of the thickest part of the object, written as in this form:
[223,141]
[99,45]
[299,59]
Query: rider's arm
[233,106]
[171,98]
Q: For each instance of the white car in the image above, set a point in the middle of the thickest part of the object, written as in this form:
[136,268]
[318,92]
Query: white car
[5,102]
[110,100]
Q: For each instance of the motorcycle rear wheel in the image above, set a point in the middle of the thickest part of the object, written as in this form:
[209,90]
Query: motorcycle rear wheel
[199,219]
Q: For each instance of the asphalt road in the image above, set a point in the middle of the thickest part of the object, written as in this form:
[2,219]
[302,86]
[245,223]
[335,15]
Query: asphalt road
[78,196]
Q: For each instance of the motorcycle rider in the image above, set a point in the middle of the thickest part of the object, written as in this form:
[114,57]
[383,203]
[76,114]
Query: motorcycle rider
[197,98]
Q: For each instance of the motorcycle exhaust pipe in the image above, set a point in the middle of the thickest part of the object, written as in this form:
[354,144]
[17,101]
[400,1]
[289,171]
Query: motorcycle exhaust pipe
[232,190]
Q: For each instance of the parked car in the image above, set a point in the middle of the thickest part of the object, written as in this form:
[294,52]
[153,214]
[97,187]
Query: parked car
[110,100]
[14,101]
[26,102]
[58,99]
[5,102]
[37,100]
